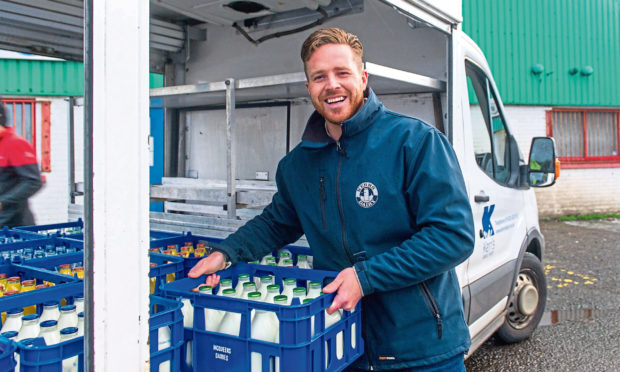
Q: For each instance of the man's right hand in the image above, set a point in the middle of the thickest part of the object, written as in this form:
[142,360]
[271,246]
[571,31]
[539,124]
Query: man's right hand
[209,265]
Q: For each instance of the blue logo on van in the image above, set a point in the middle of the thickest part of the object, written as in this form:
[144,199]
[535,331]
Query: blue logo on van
[487,226]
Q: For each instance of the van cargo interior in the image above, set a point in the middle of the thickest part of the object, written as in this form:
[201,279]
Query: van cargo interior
[242,103]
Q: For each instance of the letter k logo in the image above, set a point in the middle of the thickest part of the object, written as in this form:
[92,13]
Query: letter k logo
[487,226]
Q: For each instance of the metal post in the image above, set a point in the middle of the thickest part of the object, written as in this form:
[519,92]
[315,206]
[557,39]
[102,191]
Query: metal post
[230,148]
[119,201]
[89,345]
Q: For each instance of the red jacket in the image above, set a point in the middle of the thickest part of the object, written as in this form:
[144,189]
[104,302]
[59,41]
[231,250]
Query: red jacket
[19,179]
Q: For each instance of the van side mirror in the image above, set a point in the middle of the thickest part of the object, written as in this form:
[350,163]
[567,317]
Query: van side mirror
[543,167]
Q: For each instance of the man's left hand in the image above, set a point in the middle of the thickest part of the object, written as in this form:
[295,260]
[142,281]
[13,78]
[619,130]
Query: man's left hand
[348,288]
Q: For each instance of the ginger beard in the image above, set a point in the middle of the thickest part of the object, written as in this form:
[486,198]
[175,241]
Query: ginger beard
[336,82]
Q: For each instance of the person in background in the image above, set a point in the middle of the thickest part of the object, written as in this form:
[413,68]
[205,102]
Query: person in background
[381,198]
[19,176]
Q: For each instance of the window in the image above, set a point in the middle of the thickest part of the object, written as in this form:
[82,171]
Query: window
[491,138]
[585,138]
[20,114]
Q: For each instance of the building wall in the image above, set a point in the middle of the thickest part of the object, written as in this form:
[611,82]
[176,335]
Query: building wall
[563,37]
[49,205]
[577,191]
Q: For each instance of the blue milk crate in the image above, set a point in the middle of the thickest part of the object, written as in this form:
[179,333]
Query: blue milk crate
[12,249]
[71,230]
[9,236]
[179,241]
[7,360]
[166,313]
[64,287]
[74,230]
[37,357]
[166,265]
[297,349]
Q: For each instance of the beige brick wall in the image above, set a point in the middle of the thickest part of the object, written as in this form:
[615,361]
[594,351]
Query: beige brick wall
[577,191]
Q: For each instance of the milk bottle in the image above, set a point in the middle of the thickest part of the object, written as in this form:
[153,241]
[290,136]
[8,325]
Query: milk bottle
[213,317]
[13,321]
[30,327]
[49,332]
[70,364]
[231,322]
[264,327]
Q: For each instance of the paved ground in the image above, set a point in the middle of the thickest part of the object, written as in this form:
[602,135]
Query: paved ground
[582,263]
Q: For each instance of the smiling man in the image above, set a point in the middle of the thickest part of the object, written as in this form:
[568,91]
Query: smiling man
[381,199]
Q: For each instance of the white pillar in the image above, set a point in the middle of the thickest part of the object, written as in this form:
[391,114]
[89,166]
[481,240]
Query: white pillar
[120,184]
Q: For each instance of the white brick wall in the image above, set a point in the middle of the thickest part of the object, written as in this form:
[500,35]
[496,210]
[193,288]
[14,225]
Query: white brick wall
[49,205]
[577,191]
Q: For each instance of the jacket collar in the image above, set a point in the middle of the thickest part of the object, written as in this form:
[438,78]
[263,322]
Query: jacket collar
[316,136]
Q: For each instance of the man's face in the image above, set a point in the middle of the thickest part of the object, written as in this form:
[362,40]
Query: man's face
[335,82]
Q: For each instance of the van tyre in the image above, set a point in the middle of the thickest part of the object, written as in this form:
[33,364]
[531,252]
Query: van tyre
[527,303]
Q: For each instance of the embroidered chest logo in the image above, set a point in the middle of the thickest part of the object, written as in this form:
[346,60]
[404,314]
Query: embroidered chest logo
[366,194]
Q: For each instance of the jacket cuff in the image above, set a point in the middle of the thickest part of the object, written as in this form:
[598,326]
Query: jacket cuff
[362,277]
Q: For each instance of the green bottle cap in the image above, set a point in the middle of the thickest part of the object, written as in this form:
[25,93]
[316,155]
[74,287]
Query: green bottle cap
[229,291]
[280,299]
[254,295]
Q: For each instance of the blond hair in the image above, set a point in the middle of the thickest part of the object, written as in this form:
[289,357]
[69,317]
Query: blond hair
[332,35]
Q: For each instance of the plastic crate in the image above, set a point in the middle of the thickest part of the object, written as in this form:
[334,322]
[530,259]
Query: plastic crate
[7,359]
[71,230]
[68,244]
[64,287]
[11,236]
[195,239]
[297,349]
[38,357]
[166,265]
[74,230]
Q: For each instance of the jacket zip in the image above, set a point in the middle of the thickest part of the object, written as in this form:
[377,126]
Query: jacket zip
[323,198]
[339,201]
[430,301]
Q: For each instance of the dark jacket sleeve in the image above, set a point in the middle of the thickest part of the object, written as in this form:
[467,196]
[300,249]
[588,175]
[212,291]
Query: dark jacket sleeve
[26,169]
[444,231]
[277,226]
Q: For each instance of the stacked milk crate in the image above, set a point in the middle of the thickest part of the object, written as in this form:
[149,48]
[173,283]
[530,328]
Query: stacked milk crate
[41,301]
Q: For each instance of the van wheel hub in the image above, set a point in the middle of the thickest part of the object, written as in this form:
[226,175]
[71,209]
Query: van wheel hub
[524,301]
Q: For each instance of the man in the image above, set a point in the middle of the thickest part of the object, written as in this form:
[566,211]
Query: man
[19,176]
[381,198]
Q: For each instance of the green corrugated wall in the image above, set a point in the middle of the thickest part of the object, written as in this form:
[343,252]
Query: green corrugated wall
[48,78]
[560,35]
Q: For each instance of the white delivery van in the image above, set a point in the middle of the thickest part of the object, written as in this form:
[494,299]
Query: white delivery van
[242,105]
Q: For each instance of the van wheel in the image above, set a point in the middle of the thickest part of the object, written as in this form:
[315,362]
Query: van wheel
[528,300]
